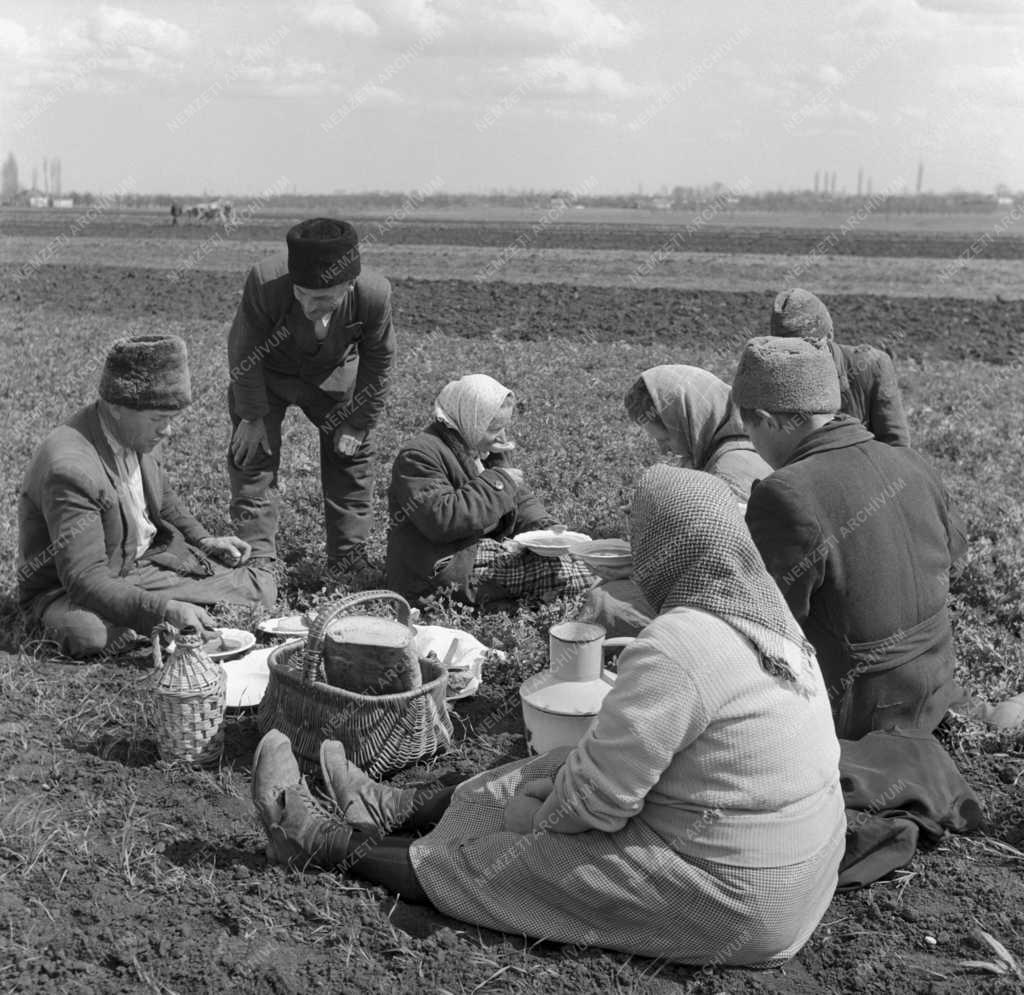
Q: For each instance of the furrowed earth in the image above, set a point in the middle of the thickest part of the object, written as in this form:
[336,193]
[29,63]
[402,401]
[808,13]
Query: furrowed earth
[120,872]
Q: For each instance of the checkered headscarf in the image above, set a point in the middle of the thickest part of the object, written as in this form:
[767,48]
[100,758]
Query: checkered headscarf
[692,548]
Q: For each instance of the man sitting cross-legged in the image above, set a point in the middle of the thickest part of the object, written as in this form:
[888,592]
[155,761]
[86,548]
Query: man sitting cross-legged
[107,550]
[860,536]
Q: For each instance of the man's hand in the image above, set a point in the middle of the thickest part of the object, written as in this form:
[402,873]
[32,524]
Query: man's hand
[229,550]
[346,442]
[183,614]
[249,438]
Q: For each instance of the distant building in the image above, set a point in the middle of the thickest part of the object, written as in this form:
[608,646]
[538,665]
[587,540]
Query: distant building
[38,200]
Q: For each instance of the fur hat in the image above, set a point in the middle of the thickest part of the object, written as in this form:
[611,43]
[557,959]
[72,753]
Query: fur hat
[786,375]
[799,314]
[148,373]
[322,253]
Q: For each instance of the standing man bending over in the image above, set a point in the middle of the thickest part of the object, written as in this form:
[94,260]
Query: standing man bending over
[315,331]
[107,551]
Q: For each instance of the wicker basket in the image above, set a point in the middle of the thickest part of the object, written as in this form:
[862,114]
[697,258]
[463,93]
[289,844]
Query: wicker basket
[381,733]
[189,695]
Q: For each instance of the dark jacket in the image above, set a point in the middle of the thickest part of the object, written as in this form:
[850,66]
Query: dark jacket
[72,528]
[271,336]
[869,391]
[861,539]
[440,507]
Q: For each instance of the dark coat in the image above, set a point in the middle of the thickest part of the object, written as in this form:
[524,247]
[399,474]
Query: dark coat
[72,527]
[869,391]
[861,539]
[440,507]
[271,336]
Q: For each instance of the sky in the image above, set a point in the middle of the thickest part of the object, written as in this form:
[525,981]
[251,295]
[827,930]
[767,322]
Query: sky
[587,96]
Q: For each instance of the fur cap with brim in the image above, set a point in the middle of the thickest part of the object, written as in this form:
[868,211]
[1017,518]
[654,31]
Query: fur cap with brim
[786,375]
[147,373]
[799,314]
[322,252]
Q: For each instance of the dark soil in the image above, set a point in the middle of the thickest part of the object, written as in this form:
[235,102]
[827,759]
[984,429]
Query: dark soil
[909,327]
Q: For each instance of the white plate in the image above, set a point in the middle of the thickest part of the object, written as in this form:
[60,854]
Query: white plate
[289,625]
[247,678]
[546,542]
[234,642]
[468,654]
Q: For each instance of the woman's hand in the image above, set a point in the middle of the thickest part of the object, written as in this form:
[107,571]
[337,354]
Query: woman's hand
[519,813]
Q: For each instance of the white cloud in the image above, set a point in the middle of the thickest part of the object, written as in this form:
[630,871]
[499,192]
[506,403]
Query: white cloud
[15,41]
[566,76]
[347,18]
[117,26]
[975,8]
[579,22]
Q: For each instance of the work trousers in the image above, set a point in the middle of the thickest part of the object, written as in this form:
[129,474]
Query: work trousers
[81,632]
[346,481]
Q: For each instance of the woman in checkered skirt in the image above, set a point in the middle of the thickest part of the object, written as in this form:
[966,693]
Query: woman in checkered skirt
[455,499]
[700,819]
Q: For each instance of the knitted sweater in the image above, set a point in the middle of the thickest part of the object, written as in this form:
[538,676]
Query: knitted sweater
[724,761]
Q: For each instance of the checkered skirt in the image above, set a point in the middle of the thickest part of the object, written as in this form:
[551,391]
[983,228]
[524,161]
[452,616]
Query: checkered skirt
[623,891]
[523,574]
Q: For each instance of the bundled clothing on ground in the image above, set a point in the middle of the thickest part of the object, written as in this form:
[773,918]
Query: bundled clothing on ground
[707,433]
[94,558]
[700,819]
[450,506]
[902,791]
[861,538]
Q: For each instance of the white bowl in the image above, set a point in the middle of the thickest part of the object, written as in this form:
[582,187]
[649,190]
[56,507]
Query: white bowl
[609,553]
[547,542]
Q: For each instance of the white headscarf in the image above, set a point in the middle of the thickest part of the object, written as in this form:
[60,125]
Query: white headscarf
[469,405]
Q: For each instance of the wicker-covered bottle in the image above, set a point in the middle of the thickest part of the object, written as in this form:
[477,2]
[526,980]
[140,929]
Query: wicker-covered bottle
[189,694]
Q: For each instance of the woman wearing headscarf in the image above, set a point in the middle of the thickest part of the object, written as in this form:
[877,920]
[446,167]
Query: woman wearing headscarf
[700,819]
[455,497]
[689,415]
[687,412]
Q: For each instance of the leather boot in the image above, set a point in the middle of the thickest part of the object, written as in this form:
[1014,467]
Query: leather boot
[365,804]
[274,768]
[306,835]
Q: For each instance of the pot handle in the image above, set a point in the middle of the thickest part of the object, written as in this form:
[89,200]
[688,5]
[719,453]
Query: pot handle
[617,642]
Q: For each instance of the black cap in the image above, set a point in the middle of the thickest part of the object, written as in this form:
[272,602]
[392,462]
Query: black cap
[322,252]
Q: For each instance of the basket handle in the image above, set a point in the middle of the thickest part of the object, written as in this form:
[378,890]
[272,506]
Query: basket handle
[313,651]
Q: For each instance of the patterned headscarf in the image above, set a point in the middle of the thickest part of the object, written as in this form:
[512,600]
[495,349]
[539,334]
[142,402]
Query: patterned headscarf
[469,405]
[692,548]
[695,407]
